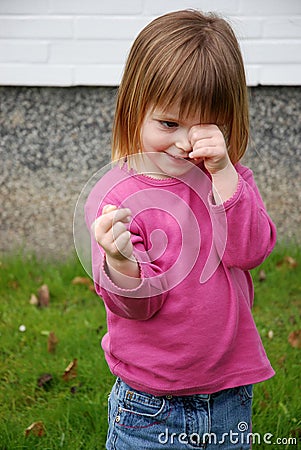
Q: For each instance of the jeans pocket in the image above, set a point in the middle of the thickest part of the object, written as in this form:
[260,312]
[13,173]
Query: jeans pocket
[140,410]
[246,393]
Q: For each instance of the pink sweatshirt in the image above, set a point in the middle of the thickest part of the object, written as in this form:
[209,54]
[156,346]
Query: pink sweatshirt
[188,327]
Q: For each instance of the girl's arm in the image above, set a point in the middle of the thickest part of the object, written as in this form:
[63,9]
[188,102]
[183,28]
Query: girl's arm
[129,289]
[250,234]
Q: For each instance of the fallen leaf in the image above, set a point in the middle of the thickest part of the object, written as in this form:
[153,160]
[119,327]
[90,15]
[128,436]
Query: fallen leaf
[294,339]
[43,296]
[92,288]
[44,380]
[85,281]
[262,275]
[13,284]
[52,342]
[288,261]
[81,280]
[36,429]
[34,300]
[70,371]
[296,432]
[74,389]
[270,334]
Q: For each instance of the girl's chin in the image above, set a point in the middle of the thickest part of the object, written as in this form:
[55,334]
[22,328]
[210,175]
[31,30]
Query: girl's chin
[164,165]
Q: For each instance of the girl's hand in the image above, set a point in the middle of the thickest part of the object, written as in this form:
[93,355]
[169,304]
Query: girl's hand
[111,233]
[208,144]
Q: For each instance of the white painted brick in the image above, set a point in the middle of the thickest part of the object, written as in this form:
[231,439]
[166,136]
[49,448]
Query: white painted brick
[289,74]
[24,6]
[96,6]
[246,27]
[95,75]
[86,52]
[35,75]
[23,51]
[109,27]
[282,27]
[33,27]
[269,7]
[67,42]
[252,74]
[158,7]
[266,52]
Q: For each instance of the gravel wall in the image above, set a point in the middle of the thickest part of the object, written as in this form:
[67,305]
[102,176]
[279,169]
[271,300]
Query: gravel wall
[52,140]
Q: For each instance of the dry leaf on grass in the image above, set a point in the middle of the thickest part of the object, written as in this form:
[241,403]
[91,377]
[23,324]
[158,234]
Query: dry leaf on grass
[288,261]
[294,339]
[36,429]
[81,280]
[34,300]
[52,342]
[44,380]
[262,275]
[43,296]
[70,371]
[85,281]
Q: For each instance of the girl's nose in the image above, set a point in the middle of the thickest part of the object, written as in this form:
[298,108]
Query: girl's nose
[182,142]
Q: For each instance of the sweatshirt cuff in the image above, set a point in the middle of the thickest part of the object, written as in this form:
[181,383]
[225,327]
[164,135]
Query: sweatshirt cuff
[228,203]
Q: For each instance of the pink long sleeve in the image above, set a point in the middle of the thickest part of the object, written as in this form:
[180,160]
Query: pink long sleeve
[188,327]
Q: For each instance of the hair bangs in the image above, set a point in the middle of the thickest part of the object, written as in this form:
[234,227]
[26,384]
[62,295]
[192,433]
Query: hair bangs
[195,88]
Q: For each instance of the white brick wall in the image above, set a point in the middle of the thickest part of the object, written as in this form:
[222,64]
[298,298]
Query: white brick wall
[85,42]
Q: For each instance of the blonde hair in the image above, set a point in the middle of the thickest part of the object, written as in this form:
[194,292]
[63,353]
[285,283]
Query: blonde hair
[189,59]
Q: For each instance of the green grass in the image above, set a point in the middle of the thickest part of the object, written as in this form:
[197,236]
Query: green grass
[74,412]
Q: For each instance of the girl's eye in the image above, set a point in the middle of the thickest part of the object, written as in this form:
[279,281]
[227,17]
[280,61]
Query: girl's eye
[168,124]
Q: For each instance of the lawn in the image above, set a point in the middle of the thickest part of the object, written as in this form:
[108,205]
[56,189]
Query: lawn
[54,381]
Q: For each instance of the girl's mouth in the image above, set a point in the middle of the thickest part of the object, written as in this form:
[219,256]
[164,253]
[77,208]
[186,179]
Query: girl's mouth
[180,157]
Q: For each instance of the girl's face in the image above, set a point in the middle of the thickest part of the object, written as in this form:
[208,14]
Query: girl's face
[165,140]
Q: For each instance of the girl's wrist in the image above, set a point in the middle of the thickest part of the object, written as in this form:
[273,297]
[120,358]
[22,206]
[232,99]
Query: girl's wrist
[124,273]
[224,183]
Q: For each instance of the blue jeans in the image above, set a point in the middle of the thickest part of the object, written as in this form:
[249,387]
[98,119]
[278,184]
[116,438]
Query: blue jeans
[140,421]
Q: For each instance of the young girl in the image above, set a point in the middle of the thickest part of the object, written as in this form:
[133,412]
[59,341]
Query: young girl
[176,226]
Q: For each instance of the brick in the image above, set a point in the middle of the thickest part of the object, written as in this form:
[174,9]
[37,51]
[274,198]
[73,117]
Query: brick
[267,52]
[282,27]
[245,27]
[96,7]
[109,27]
[98,75]
[157,7]
[35,75]
[25,27]
[24,6]
[269,7]
[85,52]
[252,74]
[23,51]
[279,74]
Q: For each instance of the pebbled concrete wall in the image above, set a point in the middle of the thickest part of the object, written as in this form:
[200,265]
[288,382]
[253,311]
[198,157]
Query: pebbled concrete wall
[52,140]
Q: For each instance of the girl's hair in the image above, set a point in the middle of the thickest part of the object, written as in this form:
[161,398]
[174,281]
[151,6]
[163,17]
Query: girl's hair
[191,60]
